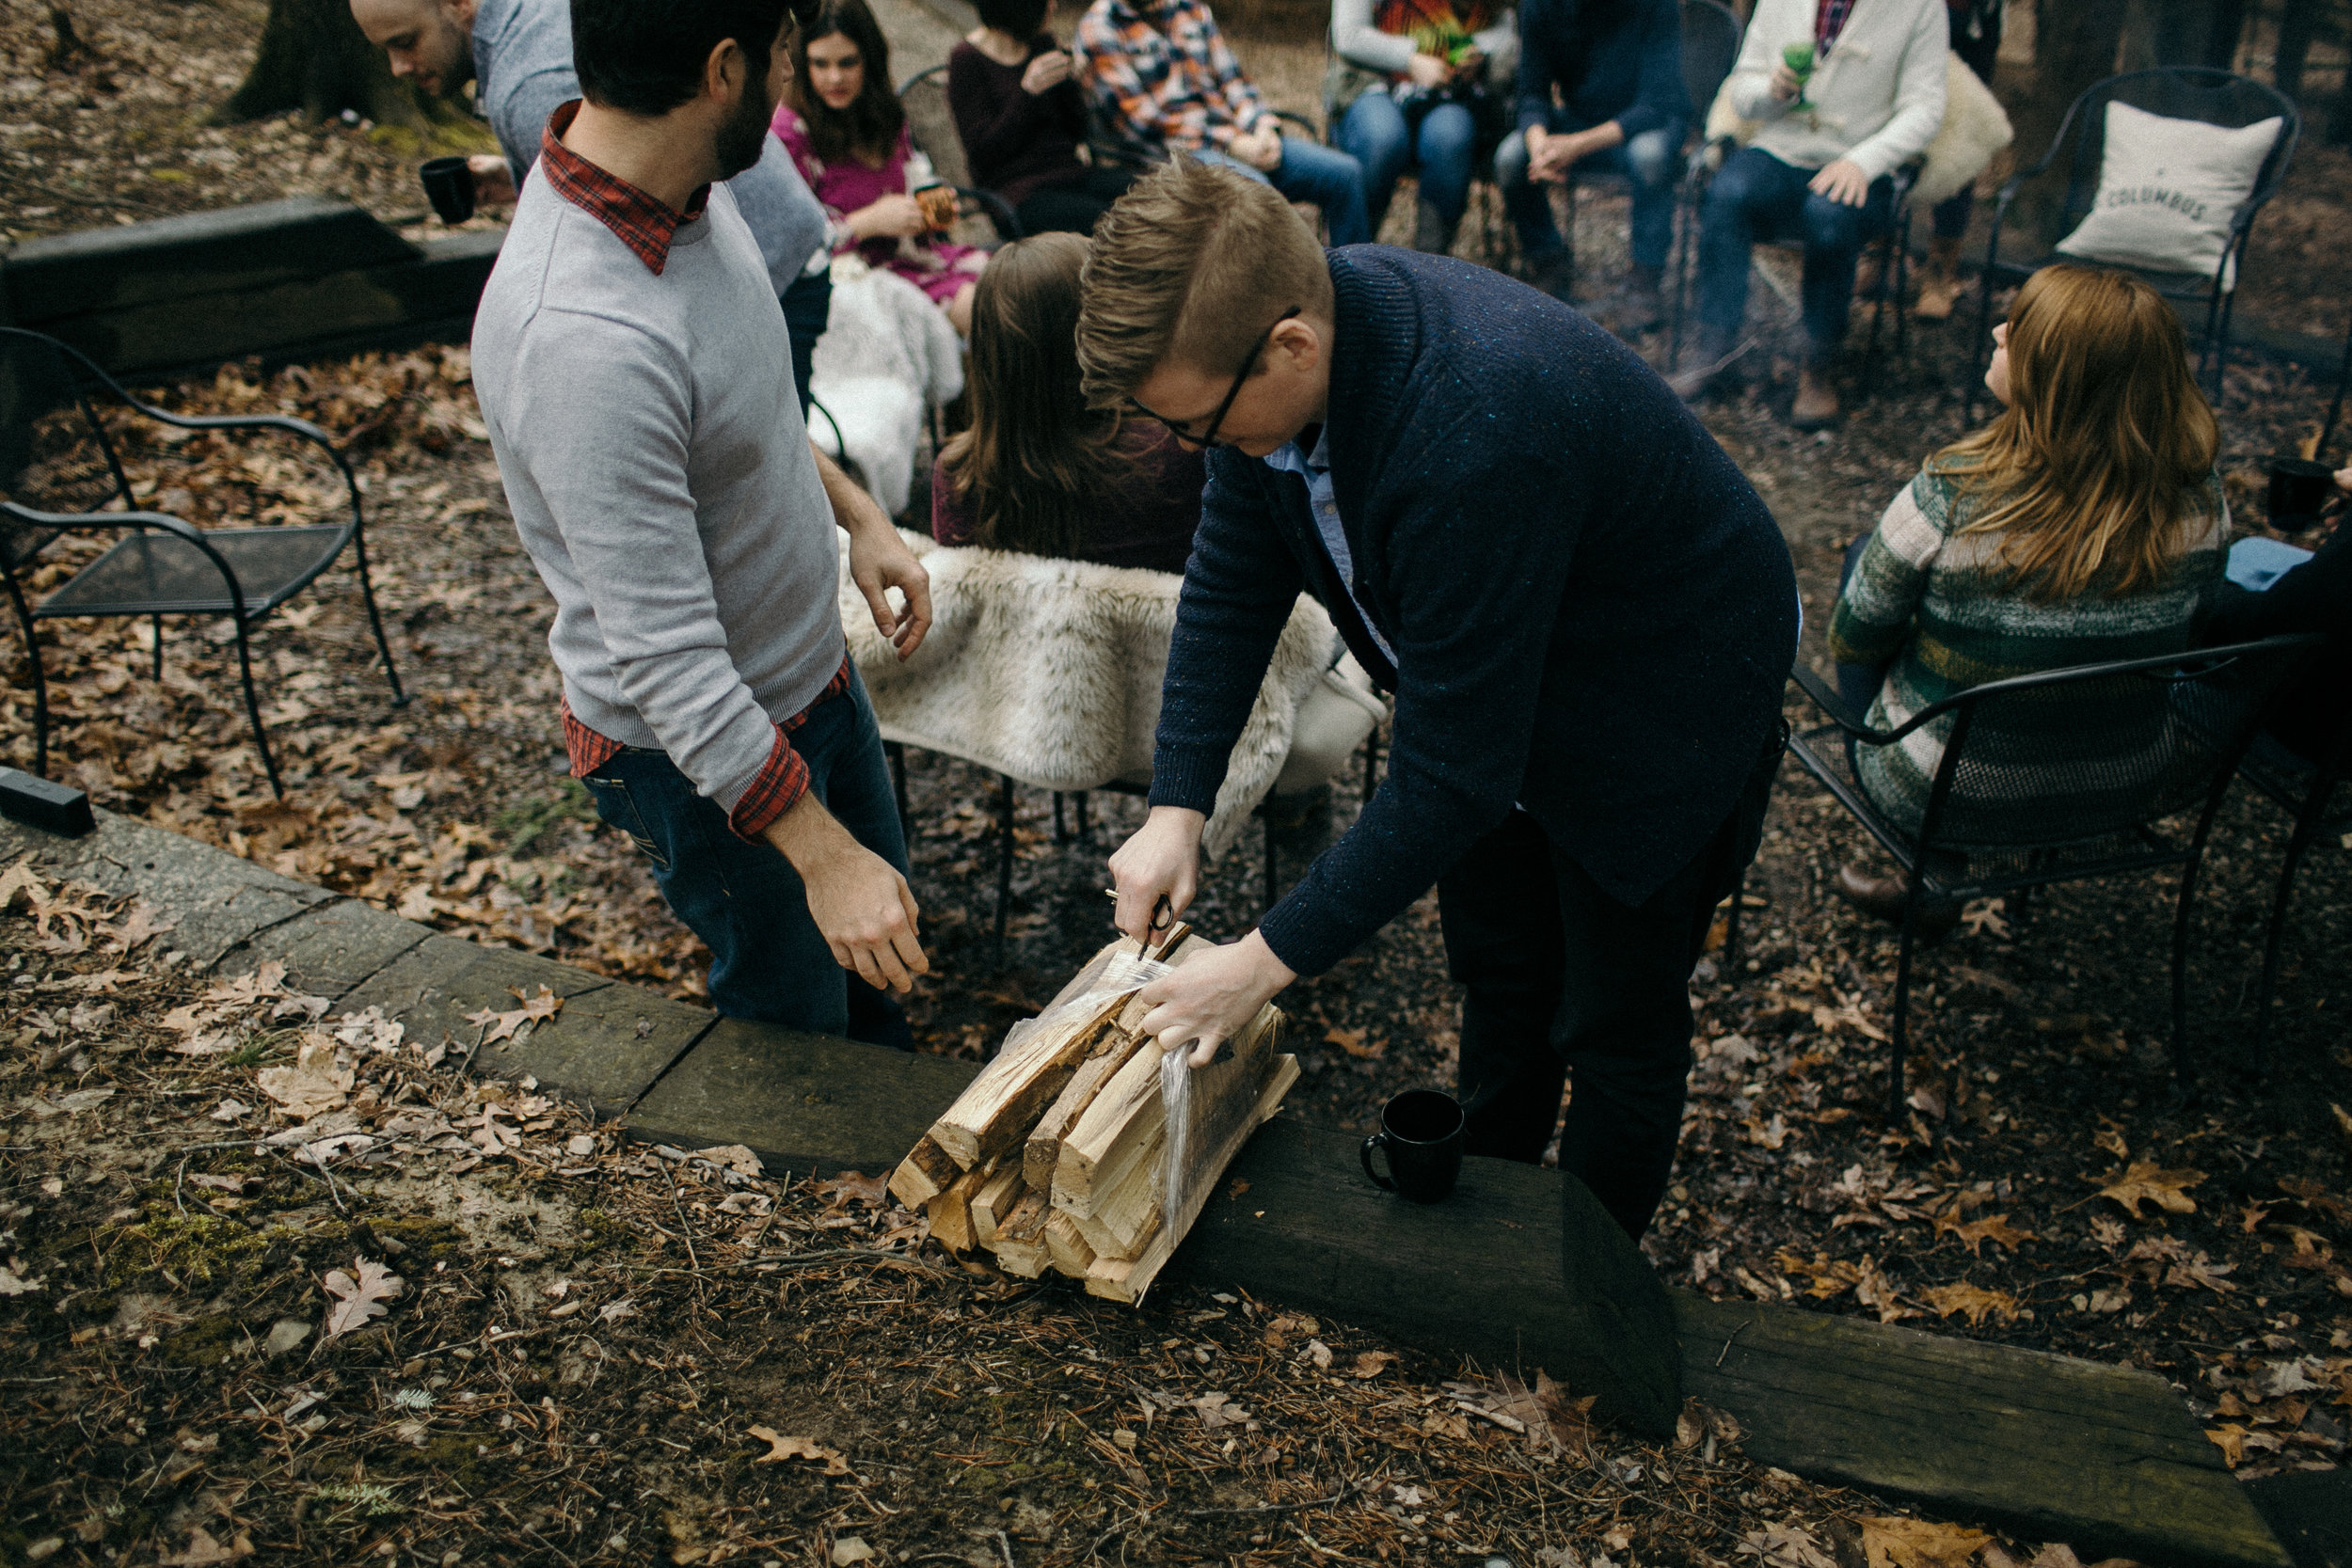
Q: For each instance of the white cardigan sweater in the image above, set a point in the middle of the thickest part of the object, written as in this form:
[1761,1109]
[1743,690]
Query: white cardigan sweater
[1877,99]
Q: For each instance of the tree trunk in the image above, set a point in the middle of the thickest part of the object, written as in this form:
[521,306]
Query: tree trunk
[315,59]
[2229,25]
[2075,45]
[2297,24]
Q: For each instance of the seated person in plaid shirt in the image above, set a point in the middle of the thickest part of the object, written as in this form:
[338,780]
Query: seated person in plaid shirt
[634,373]
[1163,79]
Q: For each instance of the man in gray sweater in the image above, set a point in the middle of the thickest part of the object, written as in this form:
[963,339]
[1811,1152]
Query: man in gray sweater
[518,55]
[629,361]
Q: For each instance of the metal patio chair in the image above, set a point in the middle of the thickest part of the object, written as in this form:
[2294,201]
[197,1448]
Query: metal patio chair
[2059,776]
[2306,791]
[924,96]
[2177,93]
[60,473]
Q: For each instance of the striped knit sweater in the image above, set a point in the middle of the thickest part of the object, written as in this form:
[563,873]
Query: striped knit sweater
[1937,608]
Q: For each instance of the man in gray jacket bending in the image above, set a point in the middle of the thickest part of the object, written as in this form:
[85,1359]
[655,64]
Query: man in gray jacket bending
[518,54]
[629,361]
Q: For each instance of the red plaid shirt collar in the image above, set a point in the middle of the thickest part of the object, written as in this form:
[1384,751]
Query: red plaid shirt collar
[643,223]
[1829,20]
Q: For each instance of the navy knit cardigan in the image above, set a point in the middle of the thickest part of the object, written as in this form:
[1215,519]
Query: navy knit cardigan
[1592,612]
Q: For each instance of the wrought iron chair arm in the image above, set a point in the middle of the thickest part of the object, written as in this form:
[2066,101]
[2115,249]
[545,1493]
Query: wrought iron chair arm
[2213,660]
[999,211]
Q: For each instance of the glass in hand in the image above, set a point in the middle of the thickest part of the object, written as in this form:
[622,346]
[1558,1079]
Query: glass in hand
[1798,57]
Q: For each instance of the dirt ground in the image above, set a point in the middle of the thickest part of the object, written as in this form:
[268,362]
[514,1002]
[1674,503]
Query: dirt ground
[2046,1186]
[280,1282]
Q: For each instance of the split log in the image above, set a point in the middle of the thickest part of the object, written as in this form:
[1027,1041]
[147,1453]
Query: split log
[1110,1143]
[1020,1244]
[924,1174]
[1004,1101]
[1066,1249]
[951,1211]
[1043,1149]
[993,1201]
[1218,1142]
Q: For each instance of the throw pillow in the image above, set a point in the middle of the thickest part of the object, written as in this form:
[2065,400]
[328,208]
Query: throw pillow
[2166,191]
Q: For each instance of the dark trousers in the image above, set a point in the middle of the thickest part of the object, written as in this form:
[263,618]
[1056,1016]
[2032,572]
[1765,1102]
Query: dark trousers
[1564,982]
[1072,208]
[1756,197]
[807,307]
[768,959]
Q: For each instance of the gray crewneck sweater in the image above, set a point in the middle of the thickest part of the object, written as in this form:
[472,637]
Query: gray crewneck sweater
[651,445]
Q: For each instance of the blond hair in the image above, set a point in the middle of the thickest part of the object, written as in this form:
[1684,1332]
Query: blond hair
[2095,472]
[1191,266]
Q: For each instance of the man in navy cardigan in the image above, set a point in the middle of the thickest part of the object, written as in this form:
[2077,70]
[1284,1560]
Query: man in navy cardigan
[1584,611]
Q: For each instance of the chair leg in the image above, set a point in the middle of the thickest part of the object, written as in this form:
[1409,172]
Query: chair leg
[1061,834]
[158,623]
[1086,834]
[375,621]
[253,707]
[1902,1000]
[2305,829]
[1004,860]
[41,681]
[1372,764]
[2182,1069]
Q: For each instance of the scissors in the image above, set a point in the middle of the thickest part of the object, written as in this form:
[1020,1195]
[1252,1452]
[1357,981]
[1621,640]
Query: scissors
[1163,913]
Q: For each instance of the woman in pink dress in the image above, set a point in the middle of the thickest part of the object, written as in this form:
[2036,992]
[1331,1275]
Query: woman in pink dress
[844,128]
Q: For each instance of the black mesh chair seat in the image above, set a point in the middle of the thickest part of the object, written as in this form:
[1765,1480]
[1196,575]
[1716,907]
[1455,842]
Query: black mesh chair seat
[61,474]
[2176,92]
[162,574]
[2055,777]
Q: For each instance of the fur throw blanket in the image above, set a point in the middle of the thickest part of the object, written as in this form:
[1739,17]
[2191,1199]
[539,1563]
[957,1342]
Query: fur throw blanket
[887,355]
[1050,671]
[1974,129]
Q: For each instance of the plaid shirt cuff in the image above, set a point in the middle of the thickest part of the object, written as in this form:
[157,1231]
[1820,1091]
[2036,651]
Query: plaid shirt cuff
[778,786]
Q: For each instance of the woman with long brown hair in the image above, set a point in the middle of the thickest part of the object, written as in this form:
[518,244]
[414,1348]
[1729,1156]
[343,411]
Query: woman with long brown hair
[2084,524]
[1039,471]
[848,135]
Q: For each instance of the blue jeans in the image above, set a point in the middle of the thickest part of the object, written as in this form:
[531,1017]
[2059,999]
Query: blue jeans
[1312,172]
[1648,160]
[1379,134]
[767,960]
[1756,197]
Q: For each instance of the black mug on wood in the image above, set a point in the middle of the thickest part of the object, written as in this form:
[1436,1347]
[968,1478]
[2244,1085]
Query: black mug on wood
[1421,1132]
[449,185]
[2300,491]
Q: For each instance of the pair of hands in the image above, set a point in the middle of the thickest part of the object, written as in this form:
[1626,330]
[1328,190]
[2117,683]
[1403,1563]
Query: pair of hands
[1260,148]
[1046,73]
[861,904]
[1841,179]
[1552,153]
[1212,998]
[1429,72]
[897,216]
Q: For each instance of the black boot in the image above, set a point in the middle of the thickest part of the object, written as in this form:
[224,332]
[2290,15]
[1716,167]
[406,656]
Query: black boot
[1432,234]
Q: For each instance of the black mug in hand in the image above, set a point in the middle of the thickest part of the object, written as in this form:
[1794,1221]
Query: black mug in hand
[2301,490]
[449,185]
[1421,1132]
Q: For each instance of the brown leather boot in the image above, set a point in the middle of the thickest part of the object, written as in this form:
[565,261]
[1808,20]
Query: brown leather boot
[1817,406]
[1939,285]
[1883,897]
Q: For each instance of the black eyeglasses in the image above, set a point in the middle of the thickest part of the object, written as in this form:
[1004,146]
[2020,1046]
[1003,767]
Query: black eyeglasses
[1208,437]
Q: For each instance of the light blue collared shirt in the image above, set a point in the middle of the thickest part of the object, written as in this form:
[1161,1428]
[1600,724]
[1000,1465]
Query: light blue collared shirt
[1315,467]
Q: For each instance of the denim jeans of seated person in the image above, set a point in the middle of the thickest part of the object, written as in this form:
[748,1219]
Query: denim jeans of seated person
[767,960]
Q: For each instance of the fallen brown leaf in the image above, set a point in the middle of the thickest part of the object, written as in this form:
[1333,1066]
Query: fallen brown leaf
[1974,1301]
[358,1299]
[502,1026]
[2143,1182]
[781,1448]
[1893,1542]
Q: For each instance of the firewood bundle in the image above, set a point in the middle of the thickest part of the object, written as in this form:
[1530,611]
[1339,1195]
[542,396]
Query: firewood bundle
[1056,1155]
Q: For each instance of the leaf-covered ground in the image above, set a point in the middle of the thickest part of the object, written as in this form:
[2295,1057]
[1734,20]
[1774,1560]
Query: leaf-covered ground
[279,1282]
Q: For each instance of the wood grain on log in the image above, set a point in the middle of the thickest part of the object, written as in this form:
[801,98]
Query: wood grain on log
[1004,1101]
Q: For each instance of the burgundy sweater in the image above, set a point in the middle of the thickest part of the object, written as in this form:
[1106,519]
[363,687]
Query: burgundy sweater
[1148,523]
[1017,142]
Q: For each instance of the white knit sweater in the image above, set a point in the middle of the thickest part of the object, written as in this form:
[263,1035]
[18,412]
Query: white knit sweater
[1877,98]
